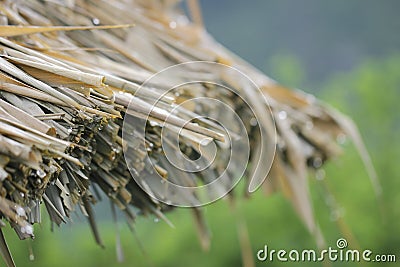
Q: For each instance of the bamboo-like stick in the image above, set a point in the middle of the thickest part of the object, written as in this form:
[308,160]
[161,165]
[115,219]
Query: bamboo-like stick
[25,118]
[14,71]
[80,76]
[144,108]
[12,30]
[30,92]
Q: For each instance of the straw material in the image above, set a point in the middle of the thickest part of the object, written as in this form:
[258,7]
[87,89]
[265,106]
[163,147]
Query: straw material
[71,70]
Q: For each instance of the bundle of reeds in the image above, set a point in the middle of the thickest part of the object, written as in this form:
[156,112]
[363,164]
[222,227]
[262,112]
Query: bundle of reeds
[71,71]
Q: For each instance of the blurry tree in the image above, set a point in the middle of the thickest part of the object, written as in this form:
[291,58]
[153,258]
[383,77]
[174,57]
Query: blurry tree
[370,96]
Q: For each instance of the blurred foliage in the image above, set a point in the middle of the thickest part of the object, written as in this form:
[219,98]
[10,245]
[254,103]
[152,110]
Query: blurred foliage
[368,94]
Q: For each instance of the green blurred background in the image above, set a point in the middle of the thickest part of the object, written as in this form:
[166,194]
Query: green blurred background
[346,52]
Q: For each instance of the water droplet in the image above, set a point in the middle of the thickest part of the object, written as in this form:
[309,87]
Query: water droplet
[172,24]
[53,169]
[341,138]
[330,201]
[40,173]
[95,21]
[27,229]
[320,174]
[204,142]
[336,214]
[154,124]
[310,98]
[253,122]
[309,125]
[282,115]
[3,20]
[317,162]
[20,212]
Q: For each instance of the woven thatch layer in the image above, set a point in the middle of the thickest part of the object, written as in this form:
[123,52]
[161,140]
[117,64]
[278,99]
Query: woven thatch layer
[65,91]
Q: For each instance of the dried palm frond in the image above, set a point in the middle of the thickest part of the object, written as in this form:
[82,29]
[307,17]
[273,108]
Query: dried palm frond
[70,71]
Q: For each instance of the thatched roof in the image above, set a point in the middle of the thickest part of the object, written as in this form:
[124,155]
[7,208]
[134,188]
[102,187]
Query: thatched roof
[65,91]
